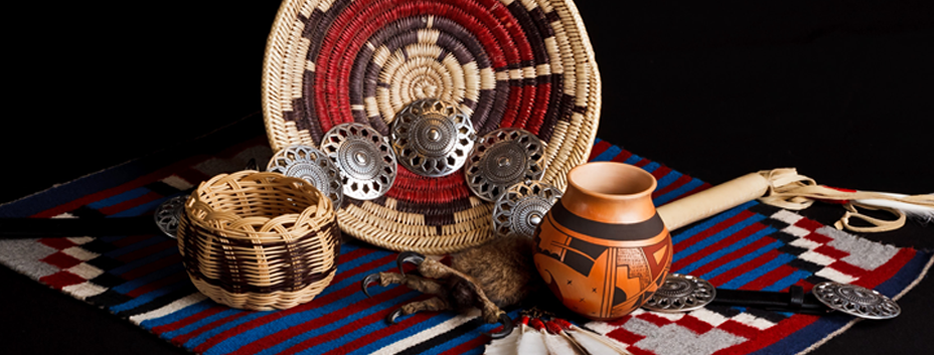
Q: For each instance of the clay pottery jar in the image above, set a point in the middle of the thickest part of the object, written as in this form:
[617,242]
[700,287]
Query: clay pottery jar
[602,249]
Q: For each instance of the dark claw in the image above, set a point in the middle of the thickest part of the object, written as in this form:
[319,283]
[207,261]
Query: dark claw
[391,318]
[409,257]
[507,327]
[371,278]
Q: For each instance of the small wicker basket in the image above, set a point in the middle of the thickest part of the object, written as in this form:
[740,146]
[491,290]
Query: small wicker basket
[259,241]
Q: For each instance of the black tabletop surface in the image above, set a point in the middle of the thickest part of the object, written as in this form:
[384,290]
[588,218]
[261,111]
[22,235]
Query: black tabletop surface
[841,90]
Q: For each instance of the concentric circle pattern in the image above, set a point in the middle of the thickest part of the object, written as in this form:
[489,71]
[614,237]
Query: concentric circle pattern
[522,207]
[312,165]
[432,138]
[364,157]
[681,293]
[501,159]
[521,64]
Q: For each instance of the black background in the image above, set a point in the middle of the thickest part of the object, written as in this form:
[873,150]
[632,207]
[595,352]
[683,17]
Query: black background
[842,90]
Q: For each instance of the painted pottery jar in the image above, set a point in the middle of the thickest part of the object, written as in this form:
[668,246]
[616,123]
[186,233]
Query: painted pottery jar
[602,248]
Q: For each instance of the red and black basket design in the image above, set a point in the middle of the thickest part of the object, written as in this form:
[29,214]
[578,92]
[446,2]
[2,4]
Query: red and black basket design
[524,64]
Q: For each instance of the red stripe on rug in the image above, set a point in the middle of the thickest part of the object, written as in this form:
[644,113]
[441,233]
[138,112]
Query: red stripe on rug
[360,323]
[642,162]
[273,339]
[382,333]
[130,240]
[696,325]
[217,339]
[184,322]
[157,175]
[808,224]
[723,243]
[471,344]
[155,285]
[831,252]
[624,336]
[184,338]
[702,235]
[149,250]
[152,267]
[622,156]
[130,185]
[761,339]
[680,181]
[61,280]
[654,319]
[131,203]
[849,269]
[660,172]
[57,243]
[741,252]
[598,148]
[888,270]
[769,278]
[744,268]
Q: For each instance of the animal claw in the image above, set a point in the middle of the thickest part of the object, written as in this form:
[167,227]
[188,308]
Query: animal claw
[508,325]
[391,318]
[409,257]
[371,278]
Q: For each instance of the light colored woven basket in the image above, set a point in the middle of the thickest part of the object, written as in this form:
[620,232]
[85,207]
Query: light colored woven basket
[525,64]
[259,241]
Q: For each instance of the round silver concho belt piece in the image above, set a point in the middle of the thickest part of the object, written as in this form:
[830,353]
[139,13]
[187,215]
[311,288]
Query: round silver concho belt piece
[168,214]
[856,300]
[312,165]
[503,158]
[681,293]
[432,138]
[364,157]
[522,207]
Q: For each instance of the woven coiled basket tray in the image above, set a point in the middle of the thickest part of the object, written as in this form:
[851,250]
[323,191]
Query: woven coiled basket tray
[525,64]
[259,241]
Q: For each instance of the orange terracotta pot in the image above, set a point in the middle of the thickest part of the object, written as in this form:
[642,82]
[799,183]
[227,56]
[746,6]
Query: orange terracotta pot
[603,249]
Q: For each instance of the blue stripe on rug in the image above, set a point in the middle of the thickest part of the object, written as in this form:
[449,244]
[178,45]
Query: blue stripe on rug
[238,340]
[119,198]
[787,281]
[135,246]
[713,239]
[742,260]
[753,274]
[144,261]
[178,315]
[668,179]
[168,271]
[706,224]
[608,154]
[336,306]
[678,192]
[731,248]
[149,296]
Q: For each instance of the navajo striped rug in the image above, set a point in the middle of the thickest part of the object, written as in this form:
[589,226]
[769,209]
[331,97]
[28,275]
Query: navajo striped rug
[140,277]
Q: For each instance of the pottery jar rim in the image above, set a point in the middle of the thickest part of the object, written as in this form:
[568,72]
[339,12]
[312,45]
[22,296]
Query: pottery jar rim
[601,179]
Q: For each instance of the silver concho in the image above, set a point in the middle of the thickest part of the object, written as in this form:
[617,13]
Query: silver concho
[168,213]
[432,138]
[312,165]
[681,293]
[365,159]
[856,300]
[503,158]
[522,207]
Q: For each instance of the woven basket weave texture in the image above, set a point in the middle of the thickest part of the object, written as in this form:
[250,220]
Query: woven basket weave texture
[259,241]
[524,64]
